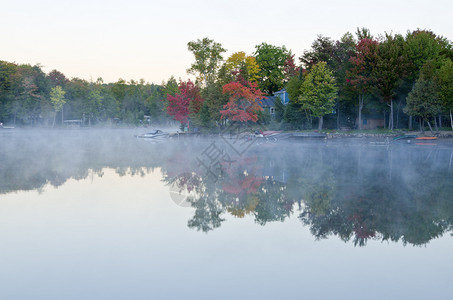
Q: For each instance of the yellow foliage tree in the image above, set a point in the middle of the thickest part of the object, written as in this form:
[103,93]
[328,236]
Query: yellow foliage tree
[241,64]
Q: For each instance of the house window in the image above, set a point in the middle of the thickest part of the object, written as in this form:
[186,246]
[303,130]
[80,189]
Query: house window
[272,110]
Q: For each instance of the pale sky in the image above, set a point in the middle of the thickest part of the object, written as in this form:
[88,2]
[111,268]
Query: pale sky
[148,39]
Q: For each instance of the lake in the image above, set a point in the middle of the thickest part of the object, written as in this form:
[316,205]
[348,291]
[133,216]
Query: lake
[100,214]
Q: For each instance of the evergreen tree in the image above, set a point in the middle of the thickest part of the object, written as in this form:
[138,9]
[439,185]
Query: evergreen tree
[279,109]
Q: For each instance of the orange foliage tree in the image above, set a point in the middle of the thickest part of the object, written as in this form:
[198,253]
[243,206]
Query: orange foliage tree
[244,101]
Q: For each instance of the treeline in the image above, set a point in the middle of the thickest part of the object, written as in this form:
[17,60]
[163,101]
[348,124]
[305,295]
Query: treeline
[30,97]
[403,79]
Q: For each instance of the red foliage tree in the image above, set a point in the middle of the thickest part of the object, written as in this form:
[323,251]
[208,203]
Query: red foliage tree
[188,101]
[360,76]
[243,104]
[290,69]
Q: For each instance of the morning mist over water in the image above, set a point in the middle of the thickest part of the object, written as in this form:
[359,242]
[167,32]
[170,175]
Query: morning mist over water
[103,204]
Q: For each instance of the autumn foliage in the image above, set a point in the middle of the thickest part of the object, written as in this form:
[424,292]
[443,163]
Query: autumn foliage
[360,76]
[243,104]
[188,101]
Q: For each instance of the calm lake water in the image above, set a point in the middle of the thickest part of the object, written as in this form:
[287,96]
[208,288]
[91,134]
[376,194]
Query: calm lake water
[103,215]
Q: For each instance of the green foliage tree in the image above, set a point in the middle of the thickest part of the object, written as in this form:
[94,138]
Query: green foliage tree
[214,102]
[363,33]
[30,92]
[423,101]
[76,93]
[279,109]
[171,87]
[93,102]
[271,61]
[389,69]
[322,49]
[58,100]
[445,78]
[208,56]
[293,86]
[155,104]
[343,50]
[292,117]
[421,46]
[7,71]
[318,92]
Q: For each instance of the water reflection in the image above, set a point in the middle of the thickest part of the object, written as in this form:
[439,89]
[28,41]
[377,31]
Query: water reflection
[354,190]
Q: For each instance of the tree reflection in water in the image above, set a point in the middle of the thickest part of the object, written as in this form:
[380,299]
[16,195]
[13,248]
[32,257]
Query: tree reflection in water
[356,192]
[351,190]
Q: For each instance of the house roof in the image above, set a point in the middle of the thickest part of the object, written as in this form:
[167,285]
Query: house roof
[280,91]
[268,101]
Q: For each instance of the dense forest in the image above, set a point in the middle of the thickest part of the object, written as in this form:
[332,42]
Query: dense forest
[405,79]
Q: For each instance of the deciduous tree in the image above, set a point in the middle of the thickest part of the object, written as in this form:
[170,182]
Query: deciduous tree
[243,104]
[318,92]
[445,77]
[423,101]
[390,68]
[272,61]
[421,46]
[188,101]
[208,56]
[57,78]
[322,49]
[58,100]
[240,66]
[360,75]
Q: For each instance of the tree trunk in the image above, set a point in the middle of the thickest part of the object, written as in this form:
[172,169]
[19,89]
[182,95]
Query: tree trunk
[440,121]
[321,120]
[54,118]
[435,124]
[338,119]
[360,111]
[451,158]
[62,116]
[410,117]
[430,128]
[391,115]
[451,120]
[422,126]
[398,114]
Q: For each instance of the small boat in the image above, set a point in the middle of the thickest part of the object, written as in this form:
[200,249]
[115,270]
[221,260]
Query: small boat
[268,135]
[153,135]
[5,127]
[426,144]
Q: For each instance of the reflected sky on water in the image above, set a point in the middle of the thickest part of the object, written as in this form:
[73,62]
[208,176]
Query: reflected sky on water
[94,219]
